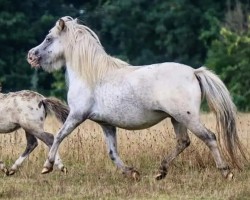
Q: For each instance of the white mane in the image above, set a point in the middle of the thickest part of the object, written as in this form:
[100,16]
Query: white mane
[84,52]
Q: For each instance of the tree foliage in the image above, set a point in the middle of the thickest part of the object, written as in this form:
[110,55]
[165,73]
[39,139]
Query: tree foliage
[145,32]
[23,25]
[229,56]
[138,31]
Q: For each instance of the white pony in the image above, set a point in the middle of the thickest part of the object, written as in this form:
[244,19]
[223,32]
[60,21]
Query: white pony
[114,94]
[28,110]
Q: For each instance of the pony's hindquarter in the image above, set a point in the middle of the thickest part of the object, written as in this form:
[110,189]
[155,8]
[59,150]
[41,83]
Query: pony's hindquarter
[220,102]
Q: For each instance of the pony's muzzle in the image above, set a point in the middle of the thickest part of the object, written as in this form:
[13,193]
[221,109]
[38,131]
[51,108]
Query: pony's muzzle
[33,58]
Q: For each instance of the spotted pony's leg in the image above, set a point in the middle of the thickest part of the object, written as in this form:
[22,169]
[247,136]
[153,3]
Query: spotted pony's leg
[31,145]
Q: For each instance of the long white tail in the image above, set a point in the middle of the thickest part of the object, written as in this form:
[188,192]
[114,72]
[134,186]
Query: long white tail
[220,102]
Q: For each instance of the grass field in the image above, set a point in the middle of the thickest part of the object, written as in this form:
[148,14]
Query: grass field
[92,175]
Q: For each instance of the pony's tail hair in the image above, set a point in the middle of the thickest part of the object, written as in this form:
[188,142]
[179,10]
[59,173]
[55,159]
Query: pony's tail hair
[55,106]
[220,102]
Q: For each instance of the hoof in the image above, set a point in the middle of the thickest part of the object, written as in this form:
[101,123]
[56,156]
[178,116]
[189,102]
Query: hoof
[46,170]
[131,173]
[64,170]
[160,176]
[135,175]
[6,171]
[10,173]
[230,176]
[227,174]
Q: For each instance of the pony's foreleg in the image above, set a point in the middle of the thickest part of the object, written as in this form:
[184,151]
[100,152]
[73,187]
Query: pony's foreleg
[110,136]
[31,145]
[70,124]
[183,142]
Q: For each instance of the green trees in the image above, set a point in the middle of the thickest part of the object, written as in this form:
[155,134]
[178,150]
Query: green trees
[23,25]
[144,32]
[138,31]
[229,56]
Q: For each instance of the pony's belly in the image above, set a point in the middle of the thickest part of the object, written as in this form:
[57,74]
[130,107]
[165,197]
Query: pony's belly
[8,127]
[131,121]
[136,125]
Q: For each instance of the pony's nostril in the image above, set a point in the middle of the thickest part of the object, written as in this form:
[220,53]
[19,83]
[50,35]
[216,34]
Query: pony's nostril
[30,57]
[36,52]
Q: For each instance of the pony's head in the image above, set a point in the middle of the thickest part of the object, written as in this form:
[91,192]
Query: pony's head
[51,53]
[73,45]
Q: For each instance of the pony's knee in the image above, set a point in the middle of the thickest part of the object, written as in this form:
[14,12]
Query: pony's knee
[184,142]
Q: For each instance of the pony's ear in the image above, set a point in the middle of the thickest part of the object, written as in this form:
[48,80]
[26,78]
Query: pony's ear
[61,24]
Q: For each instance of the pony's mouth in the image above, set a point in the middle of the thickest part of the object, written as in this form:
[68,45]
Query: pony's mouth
[33,60]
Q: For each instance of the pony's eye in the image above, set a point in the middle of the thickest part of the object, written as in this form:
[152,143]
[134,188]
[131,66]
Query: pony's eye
[48,39]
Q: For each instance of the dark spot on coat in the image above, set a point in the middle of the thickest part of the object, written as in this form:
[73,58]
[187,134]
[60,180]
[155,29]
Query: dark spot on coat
[188,112]
[27,95]
[41,118]
[30,108]
[111,155]
[40,104]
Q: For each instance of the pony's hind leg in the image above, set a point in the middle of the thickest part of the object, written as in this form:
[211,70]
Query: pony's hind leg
[183,142]
[209,139]
[110,136]
[31,145]
[48,139]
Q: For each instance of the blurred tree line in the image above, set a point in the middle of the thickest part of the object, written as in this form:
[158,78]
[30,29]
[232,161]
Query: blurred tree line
[193,32]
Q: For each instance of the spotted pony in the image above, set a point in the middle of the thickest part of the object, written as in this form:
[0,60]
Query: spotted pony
[28,110]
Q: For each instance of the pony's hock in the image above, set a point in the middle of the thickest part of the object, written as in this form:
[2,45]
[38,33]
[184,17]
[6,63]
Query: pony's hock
[114,94]
[28,110]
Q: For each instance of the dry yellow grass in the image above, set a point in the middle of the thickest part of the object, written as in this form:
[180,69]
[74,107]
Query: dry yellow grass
[93,176]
